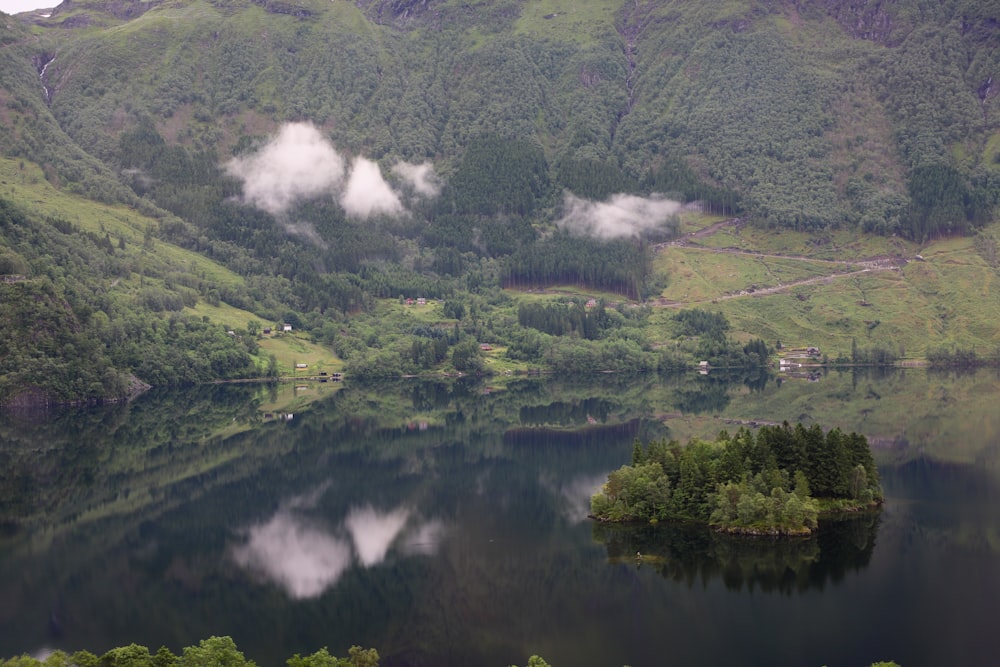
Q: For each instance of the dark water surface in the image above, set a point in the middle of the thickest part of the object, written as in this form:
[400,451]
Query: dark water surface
[444,524]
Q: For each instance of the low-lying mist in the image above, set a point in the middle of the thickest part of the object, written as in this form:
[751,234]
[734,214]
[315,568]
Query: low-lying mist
[300,163]
[620,216]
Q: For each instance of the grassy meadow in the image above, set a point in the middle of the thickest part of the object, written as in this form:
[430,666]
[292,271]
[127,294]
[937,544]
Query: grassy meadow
[945,299]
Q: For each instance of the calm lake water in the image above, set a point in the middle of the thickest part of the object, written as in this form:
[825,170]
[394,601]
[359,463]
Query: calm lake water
[445,524]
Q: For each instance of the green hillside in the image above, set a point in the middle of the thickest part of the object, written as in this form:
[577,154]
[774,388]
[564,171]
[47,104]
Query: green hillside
[319,163]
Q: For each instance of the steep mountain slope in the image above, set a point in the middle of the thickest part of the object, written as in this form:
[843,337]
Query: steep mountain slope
[814,117]
[330,153]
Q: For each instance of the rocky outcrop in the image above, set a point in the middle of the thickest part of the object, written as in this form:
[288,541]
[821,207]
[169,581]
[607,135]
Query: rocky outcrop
[291,8]
[394,11]
[863,19]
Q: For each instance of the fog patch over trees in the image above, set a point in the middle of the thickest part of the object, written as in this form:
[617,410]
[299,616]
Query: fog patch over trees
[300,163]
[419,177]
[367,193]
[619,216]
[297,163]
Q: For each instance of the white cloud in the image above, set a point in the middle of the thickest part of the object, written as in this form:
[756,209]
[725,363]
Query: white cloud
[367,193]
[620,216]
[300,163]
[297,163]
[420,177]
[17,6]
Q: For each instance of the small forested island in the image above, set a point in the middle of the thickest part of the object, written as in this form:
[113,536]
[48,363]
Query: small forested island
[775,482]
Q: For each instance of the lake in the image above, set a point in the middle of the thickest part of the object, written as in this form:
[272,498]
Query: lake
[444,523]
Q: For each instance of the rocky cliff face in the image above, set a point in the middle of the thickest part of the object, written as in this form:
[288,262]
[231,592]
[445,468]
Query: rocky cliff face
[394,11]
[123,10]
[864,19]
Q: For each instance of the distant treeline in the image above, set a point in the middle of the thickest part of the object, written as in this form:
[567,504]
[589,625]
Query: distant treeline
[960,357]
[562,319]
[943,203]
[621,266]
[676,178]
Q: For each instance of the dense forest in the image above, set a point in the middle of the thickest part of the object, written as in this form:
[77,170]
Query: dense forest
[326,157]
[773,482]
[81,334]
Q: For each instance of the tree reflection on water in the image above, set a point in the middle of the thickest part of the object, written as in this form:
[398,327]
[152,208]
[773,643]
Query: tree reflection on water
[696,554]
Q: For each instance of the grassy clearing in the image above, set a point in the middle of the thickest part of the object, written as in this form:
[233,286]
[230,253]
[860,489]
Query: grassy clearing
[568,20]
[28,189]
[291,349]
[826,316]
[23,183]
[693,221]
[230,317]
[428,314]
[834,245]
[925,306]
[288,348]
[497,362]
[556,292]
[946,299]
[701,275]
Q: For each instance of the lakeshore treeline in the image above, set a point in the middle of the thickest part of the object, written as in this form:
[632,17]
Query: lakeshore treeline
[218,652]
[775,481]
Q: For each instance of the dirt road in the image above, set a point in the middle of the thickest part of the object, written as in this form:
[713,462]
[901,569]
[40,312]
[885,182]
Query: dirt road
[851,267]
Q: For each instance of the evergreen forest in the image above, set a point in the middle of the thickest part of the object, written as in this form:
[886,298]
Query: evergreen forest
[772,482]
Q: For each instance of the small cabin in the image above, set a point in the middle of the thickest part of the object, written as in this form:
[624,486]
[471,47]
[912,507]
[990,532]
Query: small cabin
[286,327]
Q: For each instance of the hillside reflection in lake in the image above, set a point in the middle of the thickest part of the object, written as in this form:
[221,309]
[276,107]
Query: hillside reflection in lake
[444,524]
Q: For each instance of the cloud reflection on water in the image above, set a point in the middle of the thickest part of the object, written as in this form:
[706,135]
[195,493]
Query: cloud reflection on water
[302,559]
[305,558]
[575,494]
[374,532]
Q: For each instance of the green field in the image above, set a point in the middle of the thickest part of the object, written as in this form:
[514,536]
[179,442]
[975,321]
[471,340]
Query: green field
[566,20]
[946,299]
